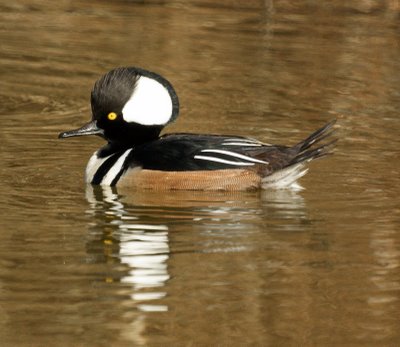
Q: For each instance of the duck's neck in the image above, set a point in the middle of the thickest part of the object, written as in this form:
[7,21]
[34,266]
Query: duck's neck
[111,148]
[129,138]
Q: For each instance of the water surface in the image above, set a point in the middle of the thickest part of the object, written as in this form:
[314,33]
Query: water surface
[99,267]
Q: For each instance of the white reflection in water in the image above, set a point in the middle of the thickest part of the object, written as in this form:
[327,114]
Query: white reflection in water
[224,223]
[143,247]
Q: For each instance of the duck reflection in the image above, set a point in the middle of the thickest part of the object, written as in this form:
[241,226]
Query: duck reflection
[133,229]
[143,248]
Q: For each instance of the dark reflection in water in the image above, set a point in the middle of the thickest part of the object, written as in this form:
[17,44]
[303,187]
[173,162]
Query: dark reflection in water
[122,268]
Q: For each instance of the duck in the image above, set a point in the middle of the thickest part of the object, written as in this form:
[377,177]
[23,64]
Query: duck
[131,106]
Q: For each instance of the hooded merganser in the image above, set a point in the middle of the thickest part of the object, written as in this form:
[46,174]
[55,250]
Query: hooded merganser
[130,107]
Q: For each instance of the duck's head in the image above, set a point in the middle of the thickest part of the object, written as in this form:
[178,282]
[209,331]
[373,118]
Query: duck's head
[129,106]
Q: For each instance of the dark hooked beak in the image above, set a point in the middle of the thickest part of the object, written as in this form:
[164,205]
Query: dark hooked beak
[90,128]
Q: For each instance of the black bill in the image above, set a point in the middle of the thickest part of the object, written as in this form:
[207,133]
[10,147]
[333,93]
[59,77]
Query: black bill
[90,128]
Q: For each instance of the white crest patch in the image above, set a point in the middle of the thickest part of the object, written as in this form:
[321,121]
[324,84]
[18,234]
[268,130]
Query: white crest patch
[150,103]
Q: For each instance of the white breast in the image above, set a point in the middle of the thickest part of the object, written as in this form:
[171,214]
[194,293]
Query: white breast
[95,163]
[115,169]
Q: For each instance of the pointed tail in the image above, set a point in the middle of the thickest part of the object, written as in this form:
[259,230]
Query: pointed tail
[306,149]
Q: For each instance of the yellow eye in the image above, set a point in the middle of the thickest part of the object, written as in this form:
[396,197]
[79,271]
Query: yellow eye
[112,116]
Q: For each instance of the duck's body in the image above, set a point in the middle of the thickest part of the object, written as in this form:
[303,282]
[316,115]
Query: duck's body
[131,106]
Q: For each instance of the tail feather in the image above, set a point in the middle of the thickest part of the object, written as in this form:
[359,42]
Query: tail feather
[316,136]
[306,149]
[303,152]
[314,153]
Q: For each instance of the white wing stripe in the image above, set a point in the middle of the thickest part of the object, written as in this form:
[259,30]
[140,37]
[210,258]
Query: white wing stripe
[241,144]
[236,139]
[223,161]
[234,154]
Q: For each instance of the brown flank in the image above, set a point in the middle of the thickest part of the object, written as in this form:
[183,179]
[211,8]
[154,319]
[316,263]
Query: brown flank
[222,180]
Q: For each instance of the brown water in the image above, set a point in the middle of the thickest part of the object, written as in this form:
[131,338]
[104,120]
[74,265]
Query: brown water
[84,267]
